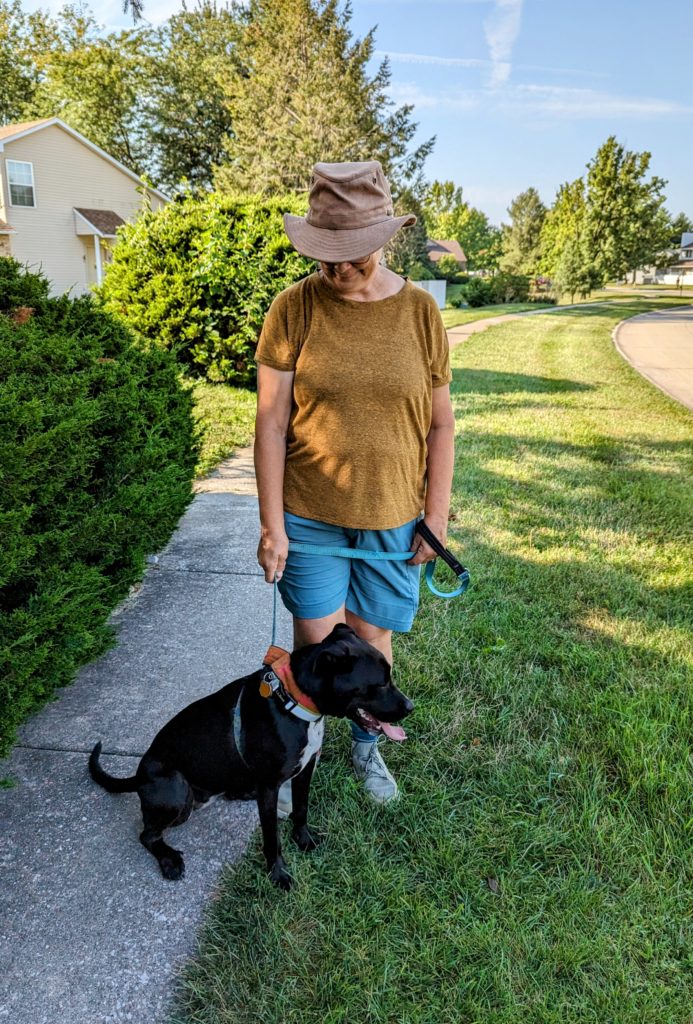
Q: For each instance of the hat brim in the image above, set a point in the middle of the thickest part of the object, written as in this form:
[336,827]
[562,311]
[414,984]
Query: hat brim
[332,246]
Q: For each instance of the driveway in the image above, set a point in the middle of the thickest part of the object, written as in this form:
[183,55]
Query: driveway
[659,345]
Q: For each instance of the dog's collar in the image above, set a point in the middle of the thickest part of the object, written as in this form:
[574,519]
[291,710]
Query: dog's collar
[278,679]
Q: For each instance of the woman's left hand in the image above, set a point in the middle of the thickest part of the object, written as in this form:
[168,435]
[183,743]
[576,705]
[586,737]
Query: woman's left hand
[423,552]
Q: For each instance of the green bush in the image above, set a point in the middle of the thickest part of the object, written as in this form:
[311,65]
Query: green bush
[493,291]
[97,451]
[478,292]
[420,272]
[198,276]
[19,288]
[447,267]
[509,287]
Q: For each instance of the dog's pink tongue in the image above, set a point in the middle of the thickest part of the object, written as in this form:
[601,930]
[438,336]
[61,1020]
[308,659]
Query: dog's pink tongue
[393,732]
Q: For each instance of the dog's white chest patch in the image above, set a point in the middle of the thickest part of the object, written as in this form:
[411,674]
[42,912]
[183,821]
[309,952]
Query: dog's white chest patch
[316,731]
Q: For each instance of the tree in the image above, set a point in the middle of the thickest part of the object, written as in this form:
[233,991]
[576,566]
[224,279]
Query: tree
[22,38]
[445,210]
[680,225]
[564,222]
[94,83]
[481,241]
[407,249]
[192,55]
[624,219]
[521,249]
[448,216]
[572,272]
[310,99]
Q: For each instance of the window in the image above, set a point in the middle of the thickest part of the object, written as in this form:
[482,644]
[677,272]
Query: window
[20,178]
[688,253]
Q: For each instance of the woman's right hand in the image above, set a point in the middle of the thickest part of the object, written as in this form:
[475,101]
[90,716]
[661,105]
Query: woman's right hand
[272,552]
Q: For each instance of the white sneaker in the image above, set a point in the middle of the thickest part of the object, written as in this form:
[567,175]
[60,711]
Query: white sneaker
[372,771]
[284,804]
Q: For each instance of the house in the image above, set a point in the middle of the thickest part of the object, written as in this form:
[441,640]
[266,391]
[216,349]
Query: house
[62,199]
[449,247]
[680,269]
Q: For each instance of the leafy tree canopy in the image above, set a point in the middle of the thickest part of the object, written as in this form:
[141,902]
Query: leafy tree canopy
[310,99]
[521,248]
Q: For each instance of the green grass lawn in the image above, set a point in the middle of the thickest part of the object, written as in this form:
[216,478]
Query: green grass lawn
[226,420]
[455,317]
[537,869]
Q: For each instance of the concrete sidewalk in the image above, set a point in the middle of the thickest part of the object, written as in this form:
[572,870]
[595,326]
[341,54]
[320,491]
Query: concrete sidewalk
[91,931]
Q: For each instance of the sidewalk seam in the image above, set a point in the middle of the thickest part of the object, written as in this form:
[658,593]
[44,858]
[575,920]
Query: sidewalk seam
[74,750]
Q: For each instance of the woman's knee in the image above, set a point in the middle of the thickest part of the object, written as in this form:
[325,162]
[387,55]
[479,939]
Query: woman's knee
[313,631]
[379,637]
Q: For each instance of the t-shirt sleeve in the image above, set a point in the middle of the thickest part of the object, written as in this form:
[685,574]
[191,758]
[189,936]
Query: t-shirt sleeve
[276,348]
[439,349]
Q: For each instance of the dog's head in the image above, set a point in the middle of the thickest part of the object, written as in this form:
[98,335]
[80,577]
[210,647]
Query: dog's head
[349,678]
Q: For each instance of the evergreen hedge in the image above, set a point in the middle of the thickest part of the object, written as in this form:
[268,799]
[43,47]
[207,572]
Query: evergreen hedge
[97,452]
[198,276]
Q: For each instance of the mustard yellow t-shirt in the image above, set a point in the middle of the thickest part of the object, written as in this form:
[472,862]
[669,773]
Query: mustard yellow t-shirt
[363,379]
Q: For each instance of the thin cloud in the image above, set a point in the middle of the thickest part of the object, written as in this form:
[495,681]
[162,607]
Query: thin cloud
[396,57]
[427,58]
[501,28]
[410,93]
[588,103]
[552,101]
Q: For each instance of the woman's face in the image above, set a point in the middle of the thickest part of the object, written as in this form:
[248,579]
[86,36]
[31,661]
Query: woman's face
[348,277]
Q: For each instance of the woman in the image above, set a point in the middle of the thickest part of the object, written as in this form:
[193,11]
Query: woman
[354,431]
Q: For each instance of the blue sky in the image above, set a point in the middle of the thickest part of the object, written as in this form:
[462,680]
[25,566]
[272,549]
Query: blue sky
[522,92]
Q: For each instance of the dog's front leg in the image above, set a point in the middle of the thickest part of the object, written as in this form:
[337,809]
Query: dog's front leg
[300,788]
[271,847]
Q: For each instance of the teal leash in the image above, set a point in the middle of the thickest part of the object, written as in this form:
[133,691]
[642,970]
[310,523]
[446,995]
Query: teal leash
[385,556]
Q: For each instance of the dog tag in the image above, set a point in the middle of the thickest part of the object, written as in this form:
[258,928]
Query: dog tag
[265,689]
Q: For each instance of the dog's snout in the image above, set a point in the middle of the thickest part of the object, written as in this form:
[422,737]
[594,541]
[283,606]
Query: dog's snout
[408,706]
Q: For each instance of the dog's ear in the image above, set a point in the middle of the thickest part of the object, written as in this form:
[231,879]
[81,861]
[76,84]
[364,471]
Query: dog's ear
[342,627]
[332,664]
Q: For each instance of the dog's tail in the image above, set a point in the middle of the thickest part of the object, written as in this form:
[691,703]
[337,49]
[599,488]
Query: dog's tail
[109,782]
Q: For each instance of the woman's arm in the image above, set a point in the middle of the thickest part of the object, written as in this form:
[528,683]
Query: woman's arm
[440,462]
[274,399]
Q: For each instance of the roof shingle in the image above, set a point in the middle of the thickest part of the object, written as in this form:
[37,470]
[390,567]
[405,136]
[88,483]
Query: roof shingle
[105,221]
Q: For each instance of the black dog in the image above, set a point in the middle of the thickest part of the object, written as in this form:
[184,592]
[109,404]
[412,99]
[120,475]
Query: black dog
[248,738]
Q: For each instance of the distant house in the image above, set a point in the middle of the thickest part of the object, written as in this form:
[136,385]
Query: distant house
[679,270]
[449,247]
[62,199]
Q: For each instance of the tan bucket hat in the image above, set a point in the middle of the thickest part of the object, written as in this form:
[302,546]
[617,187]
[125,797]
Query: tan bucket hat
[350,214]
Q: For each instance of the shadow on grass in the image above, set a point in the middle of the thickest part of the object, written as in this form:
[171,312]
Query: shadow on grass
[486,382]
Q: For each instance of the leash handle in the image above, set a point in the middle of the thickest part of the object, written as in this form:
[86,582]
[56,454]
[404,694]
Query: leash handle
[464,579]
[443,552]
[449,559]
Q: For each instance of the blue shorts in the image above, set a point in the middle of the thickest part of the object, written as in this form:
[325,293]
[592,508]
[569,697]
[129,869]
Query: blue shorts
[386,594]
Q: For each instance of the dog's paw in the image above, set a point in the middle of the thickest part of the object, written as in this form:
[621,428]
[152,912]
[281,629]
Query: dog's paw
[306,840]
[280,877]
[172,865]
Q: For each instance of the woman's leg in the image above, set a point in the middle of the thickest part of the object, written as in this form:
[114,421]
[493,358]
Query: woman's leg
[374,635]
[312,631]
[365,755]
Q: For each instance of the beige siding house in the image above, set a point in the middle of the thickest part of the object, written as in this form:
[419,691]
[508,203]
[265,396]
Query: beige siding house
[61,201]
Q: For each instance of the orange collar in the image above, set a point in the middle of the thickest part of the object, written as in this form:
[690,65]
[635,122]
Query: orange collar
[279,661]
